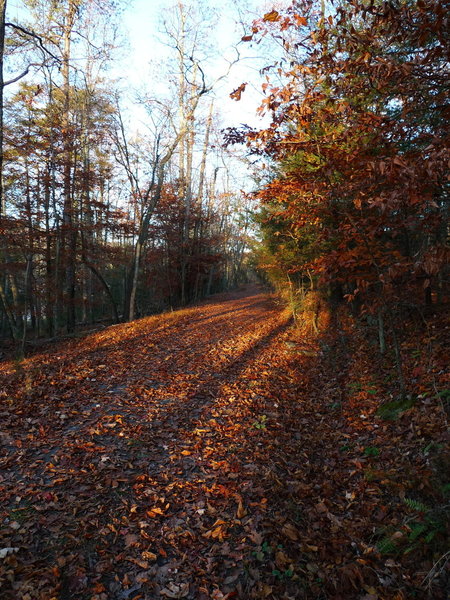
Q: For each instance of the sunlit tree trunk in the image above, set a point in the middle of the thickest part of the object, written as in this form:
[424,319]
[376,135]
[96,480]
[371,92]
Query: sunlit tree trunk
[69,226]
[185,245]
[49,275]
[201,180]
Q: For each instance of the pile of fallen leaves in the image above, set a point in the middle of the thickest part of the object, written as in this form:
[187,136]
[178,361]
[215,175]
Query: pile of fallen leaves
[221,452]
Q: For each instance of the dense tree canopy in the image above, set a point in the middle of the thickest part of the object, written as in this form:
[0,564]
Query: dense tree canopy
[358,140]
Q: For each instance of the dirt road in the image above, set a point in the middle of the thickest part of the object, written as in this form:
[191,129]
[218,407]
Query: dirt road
[126,455]
[213,453]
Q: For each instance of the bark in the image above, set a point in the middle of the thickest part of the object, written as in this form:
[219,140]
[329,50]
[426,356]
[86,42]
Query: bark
[3,297]
[381,336]
[106,287]
[428,296]
[185,250]
[9,313]
[27,301]
[201,181]
[2,86]
[135,278]
[398,356]
[69,230]
[151,199]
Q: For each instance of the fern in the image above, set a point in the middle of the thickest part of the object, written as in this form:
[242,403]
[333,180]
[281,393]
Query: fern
[416,505]
[386,546]
[430,536]
[390,411]
[411,548]
[416,531]
[424,529]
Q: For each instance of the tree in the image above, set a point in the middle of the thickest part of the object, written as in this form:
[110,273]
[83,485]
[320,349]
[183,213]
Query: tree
[359,133]
[175,132]
[85,227]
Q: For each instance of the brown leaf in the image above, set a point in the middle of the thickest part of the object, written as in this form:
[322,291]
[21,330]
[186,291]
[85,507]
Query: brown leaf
[131,540]
[140,563]
[281,560]
[241,512]
[173,590]
[272,16]
[236,95]
[290,531]
[256,537]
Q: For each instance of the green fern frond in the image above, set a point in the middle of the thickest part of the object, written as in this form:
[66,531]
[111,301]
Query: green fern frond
[386,546]
[416,505]
[416,531]
[430,536]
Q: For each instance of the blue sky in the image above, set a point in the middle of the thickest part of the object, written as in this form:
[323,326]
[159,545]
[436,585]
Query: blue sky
[142,22]
[141,30]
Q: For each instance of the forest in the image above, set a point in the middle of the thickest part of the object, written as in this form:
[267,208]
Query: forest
[103,219]
[224,332]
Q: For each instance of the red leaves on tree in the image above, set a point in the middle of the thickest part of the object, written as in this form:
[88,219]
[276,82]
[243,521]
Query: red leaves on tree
[362,156]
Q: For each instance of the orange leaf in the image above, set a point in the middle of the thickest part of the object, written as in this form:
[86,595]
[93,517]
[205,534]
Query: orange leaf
[272,16]
[300,20]
[236,95]
[153,512]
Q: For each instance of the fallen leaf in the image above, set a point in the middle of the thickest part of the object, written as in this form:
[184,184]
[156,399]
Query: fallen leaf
[290,531]
[173,590]
[241,512]
[131,540]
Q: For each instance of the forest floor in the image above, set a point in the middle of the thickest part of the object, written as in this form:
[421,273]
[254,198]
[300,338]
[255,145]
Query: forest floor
[221,452]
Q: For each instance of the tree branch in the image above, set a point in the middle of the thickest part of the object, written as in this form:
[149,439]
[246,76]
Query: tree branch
[36,37]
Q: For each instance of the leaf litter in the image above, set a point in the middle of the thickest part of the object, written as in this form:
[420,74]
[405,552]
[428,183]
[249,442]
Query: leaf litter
[195,455]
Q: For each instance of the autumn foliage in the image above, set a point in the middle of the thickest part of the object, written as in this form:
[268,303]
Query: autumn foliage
[359,110]
[235,449]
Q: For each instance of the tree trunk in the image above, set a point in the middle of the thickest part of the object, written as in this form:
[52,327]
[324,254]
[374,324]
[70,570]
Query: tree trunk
[106,288]
[2,86]
[134,279]
[9,314]
[201,181]
[69,231]
[27,301]
[381,337]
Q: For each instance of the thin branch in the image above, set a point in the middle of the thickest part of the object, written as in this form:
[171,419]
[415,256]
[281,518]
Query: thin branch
[36,37]
[27,70]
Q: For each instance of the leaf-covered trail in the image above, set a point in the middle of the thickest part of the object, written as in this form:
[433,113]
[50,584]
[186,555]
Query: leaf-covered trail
[196,454]
[120,451]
